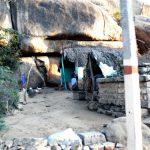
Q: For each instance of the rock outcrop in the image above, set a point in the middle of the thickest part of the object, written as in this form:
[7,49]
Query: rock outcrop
[78,20]
[111,6]
[5,16]
[38,76]
[45,21]
[5,22]
[140,7]
[142,27]
[116,131]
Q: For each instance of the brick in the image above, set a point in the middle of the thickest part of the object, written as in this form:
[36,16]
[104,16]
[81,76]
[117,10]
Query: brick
[120,96]
[145,97]
[141,97]
[118,145]
[90,138]
[108,90]
[121,85]
[143,90]
[118,114]
[120,149]
[147,121]
[148,90]
[144,104]
[143,84]
[86,148]
[121,102]
[121,90]
[109,146]
[148,99]
[108,85]
[102,101]
[148,84]
[108,96]
[101,111]
[97,147]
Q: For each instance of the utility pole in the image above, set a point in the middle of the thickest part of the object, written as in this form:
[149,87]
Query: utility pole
[131,78]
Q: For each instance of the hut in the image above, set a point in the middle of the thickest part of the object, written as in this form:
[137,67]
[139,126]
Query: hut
[104,82]
[102,63]
[73,59]
[76,58]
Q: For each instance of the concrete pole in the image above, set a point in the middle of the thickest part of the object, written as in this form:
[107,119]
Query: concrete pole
[131,78]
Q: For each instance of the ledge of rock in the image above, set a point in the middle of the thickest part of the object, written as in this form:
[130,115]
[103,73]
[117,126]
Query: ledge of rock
[77,20]
[142,27]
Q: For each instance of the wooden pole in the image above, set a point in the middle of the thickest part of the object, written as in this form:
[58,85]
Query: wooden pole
[63,69]
[131,78]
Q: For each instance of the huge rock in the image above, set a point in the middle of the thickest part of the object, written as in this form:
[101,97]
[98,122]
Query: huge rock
[36,76]
[76,19]
[112,6]
[116,132]
[142,27]
[5,22]
[30,45]
[140,7]
[5,17]
[66,138]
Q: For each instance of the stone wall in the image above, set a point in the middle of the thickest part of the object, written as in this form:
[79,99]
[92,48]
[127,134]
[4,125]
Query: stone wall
[110,97]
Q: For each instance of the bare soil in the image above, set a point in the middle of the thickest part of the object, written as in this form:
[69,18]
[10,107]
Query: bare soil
[52,111]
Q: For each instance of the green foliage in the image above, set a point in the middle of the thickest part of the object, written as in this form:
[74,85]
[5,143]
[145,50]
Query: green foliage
[9,53]
[9,90]
[117,16]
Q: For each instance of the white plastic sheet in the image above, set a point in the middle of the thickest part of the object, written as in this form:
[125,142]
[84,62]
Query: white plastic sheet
[107,70]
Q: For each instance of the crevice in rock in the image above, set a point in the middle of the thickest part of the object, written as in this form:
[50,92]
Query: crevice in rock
[13,14]
[30,54]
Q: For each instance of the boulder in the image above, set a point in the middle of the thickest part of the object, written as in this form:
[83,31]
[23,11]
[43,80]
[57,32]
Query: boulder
[116,132]
[31,45]
[66,138]
[5,17]
[140,7]
[35,79]
[76,19]
[90,138]
[5,22]
[142,27]
[111,6]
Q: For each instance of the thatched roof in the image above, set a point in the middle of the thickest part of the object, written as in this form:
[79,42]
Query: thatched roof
[109,57]
[106,55]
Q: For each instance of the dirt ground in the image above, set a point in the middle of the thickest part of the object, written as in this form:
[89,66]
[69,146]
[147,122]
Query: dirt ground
[52,111]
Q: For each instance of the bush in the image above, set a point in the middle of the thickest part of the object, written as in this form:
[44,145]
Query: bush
[9,90]
[9,58]
[117,16]
[9,53]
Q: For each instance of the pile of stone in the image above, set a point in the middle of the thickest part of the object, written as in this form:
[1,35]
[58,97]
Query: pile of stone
[107,109]
[112,137]
[65,140]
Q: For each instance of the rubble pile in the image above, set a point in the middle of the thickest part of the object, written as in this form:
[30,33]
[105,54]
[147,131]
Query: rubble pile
[113,136]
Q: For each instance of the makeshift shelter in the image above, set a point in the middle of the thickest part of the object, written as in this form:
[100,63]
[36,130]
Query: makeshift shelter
[77,58]
[103,63]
